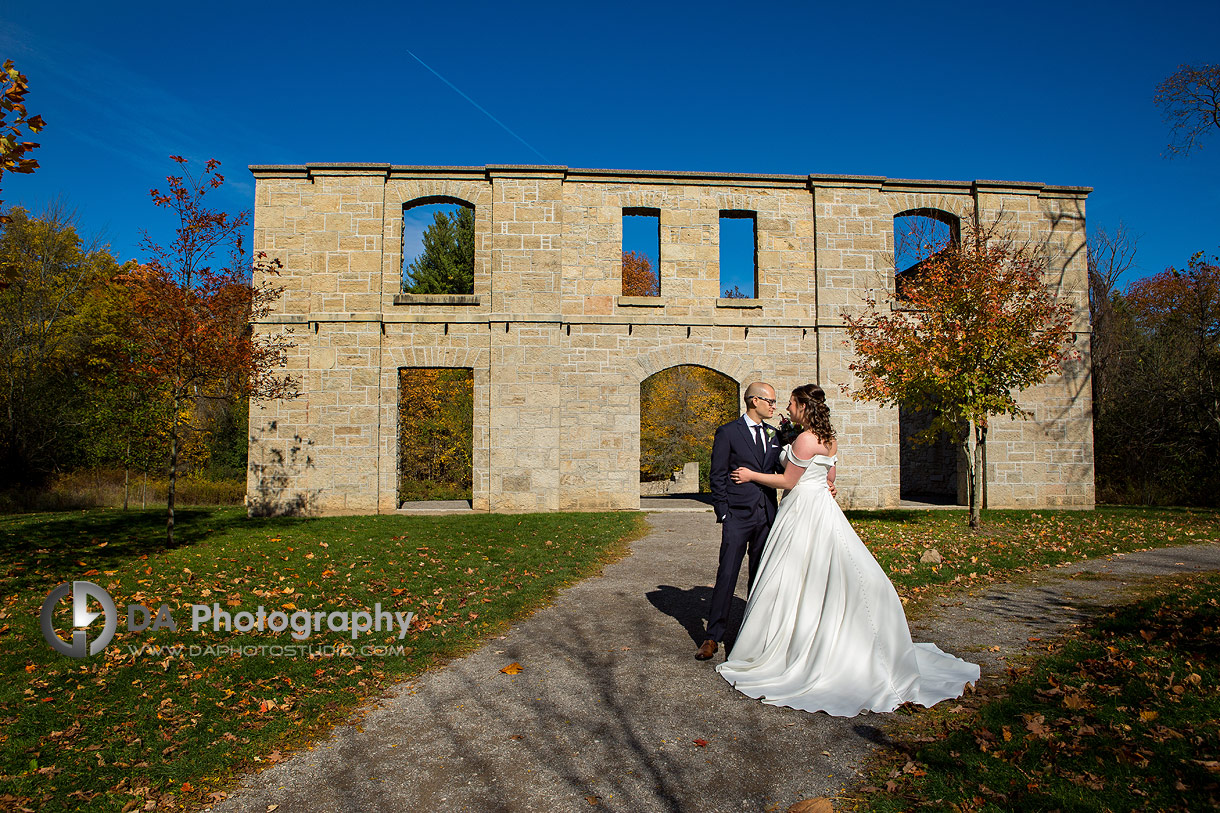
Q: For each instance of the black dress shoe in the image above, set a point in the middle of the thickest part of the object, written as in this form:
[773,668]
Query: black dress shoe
[706,651]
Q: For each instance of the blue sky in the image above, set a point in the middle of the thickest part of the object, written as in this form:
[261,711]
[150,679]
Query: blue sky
[1059,93]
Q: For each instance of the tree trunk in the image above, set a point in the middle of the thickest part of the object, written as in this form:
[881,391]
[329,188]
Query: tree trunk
[976,477]
[983,446]
[968,456]
[126,486]
[173,476]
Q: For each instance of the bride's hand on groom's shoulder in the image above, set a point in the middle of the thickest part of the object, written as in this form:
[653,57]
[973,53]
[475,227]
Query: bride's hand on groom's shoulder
[740,475]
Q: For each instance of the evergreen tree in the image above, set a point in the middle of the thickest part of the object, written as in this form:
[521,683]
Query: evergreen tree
[446,265]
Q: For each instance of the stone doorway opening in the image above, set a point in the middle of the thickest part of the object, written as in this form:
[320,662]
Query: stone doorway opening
[928,471]
[435,434]
[680,408]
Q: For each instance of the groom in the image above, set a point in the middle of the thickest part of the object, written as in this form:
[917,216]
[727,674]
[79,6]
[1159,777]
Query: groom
[745,510]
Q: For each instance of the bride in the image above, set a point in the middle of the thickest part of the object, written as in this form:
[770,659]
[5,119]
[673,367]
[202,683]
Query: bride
[824,629]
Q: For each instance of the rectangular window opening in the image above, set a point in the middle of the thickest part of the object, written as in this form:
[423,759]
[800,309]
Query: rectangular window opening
[641,252]
[738,255]
[437,247]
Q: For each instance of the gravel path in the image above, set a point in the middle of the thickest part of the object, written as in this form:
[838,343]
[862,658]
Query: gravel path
[611,703]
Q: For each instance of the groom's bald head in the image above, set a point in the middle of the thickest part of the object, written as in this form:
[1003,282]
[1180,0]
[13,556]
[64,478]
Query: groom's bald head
[759,389]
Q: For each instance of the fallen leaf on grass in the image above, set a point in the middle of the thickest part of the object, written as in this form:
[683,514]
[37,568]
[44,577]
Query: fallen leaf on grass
[1075,702]
[817,805]
[1035,724]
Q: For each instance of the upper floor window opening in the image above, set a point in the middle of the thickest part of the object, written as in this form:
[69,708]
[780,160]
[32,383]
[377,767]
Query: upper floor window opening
[920,234]
[738,254]
[641,252]
[438,246]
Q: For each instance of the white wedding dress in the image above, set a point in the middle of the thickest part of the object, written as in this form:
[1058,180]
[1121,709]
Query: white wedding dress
[824,629]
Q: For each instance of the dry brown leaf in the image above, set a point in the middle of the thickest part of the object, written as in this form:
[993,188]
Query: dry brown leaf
[512,669]
[819,804]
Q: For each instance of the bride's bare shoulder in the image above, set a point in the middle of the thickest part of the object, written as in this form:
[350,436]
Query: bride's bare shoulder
[807,445]
[815,445]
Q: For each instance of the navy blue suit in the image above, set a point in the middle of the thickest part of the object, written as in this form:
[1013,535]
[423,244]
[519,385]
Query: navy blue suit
[745,509]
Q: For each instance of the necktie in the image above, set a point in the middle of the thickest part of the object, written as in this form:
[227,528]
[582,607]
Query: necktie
[758,436]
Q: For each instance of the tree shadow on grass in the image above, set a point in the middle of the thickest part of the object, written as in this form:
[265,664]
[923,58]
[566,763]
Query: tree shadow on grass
[902,515]
[70,543]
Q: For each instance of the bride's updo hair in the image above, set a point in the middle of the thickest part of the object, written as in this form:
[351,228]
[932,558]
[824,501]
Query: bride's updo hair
[815,414]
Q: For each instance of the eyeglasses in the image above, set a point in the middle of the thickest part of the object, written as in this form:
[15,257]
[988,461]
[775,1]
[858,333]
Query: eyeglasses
[770,401]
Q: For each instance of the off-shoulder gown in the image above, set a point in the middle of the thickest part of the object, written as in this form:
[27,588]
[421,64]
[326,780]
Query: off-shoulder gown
[824,629]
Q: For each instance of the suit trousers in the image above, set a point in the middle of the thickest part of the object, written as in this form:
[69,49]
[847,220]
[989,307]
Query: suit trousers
[743,533]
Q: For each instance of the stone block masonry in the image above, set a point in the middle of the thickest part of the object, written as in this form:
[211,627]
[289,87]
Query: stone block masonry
[558,354]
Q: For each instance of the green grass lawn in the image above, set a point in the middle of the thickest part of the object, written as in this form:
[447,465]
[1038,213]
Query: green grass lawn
[123,730]
[1122,717]
[120,730]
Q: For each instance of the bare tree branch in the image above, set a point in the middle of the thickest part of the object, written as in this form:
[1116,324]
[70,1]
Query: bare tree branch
[1190,105]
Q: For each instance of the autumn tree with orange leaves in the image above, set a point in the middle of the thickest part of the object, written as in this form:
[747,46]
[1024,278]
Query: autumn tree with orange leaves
[192,303]
[680,408]
[13,89]
[975,324]
[435,433]
[639,277]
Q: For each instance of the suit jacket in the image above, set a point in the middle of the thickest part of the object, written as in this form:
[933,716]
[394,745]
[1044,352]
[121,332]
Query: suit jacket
[734,446]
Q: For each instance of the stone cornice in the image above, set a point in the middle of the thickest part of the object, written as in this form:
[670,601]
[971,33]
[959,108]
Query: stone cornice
[578,175]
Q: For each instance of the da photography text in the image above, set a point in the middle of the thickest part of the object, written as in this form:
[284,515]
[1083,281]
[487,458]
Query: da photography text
[302,623]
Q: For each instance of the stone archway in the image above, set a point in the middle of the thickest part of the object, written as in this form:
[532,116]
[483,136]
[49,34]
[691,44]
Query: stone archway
[680,409]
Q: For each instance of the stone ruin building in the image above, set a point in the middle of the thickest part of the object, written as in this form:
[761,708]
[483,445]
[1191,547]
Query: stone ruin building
[558,353]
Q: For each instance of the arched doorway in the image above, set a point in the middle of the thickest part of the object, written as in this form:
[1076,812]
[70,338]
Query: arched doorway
[680,408]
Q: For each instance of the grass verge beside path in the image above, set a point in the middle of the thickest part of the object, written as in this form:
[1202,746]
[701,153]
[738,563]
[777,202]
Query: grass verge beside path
[1015,542]
[1124,716]
[143,727]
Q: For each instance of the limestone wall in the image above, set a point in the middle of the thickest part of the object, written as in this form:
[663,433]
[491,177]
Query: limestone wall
[558,353]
